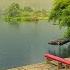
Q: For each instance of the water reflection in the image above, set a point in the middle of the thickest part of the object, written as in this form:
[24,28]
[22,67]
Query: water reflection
[28,45]
[14,24]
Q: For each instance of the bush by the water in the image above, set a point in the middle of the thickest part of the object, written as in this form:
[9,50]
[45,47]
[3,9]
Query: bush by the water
[61,13]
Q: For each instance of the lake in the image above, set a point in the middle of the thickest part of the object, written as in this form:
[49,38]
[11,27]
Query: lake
[26,43]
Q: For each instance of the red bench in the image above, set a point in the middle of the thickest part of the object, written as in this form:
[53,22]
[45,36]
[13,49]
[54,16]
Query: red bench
[58,59]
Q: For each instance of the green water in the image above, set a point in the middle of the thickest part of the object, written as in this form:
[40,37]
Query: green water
[26,43]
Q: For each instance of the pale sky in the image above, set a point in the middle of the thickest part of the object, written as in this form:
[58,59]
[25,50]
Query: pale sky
[37,4]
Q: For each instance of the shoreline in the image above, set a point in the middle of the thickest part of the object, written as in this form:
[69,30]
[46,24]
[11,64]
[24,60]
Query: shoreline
[39,66]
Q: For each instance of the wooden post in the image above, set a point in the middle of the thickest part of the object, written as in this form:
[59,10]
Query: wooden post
[59,48]
[59,66]
[48,60]
[48,63]
[66,67]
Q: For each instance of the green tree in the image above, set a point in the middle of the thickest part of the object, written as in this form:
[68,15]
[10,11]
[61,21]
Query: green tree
[29,9]
[13,13]
[14,10]
[61,13]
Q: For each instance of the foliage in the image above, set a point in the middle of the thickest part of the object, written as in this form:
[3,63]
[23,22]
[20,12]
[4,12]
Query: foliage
[61,13]
[15,13]
[67,33]
[14,10]
[29,9]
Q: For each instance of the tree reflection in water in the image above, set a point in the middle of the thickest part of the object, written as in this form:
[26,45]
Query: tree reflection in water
[14,24]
